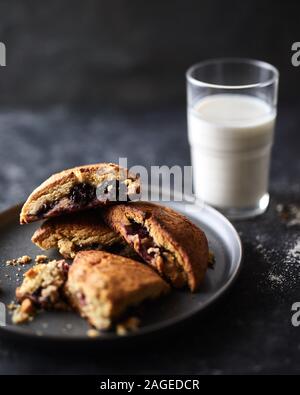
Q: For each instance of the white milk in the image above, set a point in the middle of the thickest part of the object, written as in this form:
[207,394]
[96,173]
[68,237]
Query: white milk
[231,138]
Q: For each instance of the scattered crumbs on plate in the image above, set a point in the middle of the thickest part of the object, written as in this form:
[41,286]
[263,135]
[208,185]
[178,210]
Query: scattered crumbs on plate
[24,312]
[41,259]
[12,306]
[130,325]
[67,328]
[23,260]
[92,333]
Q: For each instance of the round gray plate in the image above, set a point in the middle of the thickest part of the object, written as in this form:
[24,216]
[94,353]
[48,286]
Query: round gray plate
[179,305]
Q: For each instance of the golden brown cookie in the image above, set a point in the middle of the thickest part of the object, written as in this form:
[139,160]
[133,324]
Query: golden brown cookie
[80,231]
[43,285]
[79,189]
[166,240]
[102,286]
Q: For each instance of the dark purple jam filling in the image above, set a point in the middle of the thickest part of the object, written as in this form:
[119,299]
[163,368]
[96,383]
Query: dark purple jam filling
[65,267]
[36,294]
[83,194]
[145,240]
[81,299]
[45,208]
[137,229]
[44,302]
[36,298]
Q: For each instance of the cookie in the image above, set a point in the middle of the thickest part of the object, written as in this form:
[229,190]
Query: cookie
[80,231]
[102,286]
[79,189]
[166,240]
[43,285]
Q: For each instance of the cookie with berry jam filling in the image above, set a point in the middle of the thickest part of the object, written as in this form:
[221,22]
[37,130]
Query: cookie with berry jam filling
[80,232]
[165,239]
[102,287]
[43,285]
[79,189]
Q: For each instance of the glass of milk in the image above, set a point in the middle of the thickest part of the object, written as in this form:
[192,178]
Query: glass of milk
[232,108]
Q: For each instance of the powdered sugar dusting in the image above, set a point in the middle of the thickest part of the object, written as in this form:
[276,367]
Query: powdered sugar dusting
[276,279]
[289,213]
[284,264]
[294,253]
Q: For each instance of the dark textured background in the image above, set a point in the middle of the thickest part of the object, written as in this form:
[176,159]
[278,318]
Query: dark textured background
[132,52]
[96,80]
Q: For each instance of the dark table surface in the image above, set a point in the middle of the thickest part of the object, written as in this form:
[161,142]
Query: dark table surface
[249,330]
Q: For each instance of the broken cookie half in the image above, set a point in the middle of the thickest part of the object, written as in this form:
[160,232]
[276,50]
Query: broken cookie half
[102,286]
[42,288]
[164,239]
[80,232]
[79,189]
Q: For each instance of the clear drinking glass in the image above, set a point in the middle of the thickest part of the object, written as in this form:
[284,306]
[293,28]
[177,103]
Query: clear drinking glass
[232,109]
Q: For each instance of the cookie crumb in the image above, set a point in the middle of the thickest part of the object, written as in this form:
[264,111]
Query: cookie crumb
[12,306]
[42,284]
[289,214]
[24,312]
[11,262]
[41,259]
[92,333]
[23,260]
[130,325]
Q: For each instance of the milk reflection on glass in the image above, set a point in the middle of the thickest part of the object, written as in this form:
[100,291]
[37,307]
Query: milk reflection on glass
[231,134]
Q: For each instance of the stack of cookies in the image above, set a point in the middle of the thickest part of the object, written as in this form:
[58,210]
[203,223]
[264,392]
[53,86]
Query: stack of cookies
[124,251]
